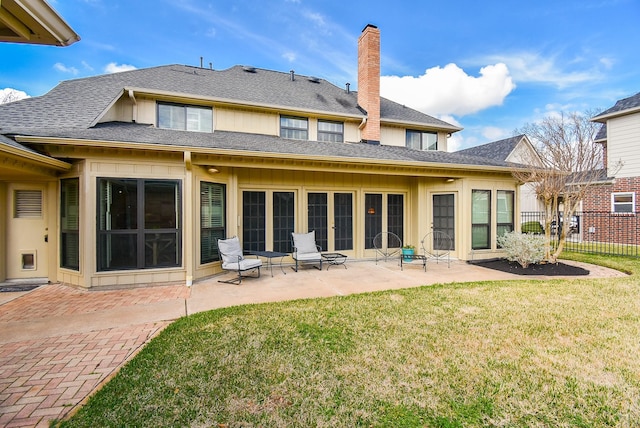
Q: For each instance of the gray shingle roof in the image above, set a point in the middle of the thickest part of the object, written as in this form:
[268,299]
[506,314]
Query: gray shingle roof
[498,150]
[602,133]
[145,134]
[4,141]
[621,105]
[79,103]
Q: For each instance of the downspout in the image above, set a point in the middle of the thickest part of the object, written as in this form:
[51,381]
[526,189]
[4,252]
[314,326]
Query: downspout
[363,123]
[188,244]
[135,106]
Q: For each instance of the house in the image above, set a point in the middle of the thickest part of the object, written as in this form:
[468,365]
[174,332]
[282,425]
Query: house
[517,150]
[129,178]
[618,185]
[34,22]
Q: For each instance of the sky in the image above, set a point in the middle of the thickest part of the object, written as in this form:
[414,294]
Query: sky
[490,67]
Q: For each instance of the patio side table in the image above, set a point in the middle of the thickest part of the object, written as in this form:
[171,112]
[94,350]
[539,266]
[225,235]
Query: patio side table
[412,257]
[270,255]
[334,259]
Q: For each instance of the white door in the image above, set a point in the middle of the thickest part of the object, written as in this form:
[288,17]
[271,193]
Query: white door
[27,234]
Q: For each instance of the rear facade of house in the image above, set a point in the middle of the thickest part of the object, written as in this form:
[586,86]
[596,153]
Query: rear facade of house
[129,179]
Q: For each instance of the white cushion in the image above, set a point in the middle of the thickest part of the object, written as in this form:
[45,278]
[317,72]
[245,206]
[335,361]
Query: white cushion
[230,250]
[305,257]
[244,264]
[305,242]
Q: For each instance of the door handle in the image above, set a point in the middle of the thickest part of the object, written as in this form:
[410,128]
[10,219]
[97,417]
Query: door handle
[46,238]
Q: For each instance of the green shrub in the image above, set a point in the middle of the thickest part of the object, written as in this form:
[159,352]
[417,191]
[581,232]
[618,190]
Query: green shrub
[524,248]
[532,227]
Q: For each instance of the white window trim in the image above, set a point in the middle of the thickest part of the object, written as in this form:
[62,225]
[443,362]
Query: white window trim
[633,202]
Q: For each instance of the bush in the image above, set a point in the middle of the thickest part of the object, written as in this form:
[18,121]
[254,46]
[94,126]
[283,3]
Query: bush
[524,248]
[532,227]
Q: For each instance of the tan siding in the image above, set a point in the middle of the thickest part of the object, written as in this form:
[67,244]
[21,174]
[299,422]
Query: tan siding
[238,120]
[393,136]
[623,139]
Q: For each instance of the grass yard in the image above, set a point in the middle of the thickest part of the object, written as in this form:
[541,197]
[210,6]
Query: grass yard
[514,353]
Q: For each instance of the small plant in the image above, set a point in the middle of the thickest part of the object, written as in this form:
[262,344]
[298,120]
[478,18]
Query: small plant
[532,227]
[524,248]
[408,247]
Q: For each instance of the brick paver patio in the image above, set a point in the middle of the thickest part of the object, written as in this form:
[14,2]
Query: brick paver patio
[45,379]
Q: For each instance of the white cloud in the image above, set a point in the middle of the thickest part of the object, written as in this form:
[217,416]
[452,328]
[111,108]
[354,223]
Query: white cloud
[289,56]
[533,67]
[112,67]
[87,66]
[450,90]
[493,133]
[8,95]
[63,68]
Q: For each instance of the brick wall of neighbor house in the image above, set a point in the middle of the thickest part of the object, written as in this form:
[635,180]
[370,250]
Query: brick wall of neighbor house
[598,224]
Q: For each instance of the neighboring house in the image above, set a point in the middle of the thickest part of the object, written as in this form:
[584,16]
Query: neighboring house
[517,150]
[128,178]
[33,22]
[617,187]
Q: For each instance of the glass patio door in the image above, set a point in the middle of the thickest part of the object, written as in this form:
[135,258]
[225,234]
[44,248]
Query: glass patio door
[444,217]
[334,232]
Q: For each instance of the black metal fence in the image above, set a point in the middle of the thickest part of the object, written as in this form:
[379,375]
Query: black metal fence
[596,232]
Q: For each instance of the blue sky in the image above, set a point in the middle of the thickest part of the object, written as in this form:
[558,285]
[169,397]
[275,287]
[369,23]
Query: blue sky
[490,67]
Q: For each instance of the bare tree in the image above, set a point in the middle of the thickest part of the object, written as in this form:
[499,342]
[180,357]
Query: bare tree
[571,164]
[9,95]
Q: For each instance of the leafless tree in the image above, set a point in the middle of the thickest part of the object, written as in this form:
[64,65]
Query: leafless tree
[9,95]
[571,164]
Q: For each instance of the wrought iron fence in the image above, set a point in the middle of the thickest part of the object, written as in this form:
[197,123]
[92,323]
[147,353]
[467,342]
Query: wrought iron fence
[596,232]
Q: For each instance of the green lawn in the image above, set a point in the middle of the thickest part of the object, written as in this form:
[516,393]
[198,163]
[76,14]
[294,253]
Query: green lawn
[511,353]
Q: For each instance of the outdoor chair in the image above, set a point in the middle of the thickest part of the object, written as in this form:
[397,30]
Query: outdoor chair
[437,245]
[387,245]
[233,260]
[305,249]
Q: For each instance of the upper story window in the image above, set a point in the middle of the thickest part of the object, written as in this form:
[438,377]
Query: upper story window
[623,202]
[421,140]
[330,131]
[295,128]
[185,117]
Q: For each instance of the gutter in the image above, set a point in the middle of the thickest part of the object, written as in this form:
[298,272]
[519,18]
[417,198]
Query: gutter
[36,157]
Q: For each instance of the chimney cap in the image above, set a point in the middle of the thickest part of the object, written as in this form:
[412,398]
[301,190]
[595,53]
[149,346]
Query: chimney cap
[369,26]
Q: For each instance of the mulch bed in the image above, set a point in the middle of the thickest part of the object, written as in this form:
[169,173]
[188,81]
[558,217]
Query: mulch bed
[17,288]
[550,269]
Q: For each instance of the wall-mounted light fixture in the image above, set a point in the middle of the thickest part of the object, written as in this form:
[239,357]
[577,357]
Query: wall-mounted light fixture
[450,180]
[213,170]
[371,210]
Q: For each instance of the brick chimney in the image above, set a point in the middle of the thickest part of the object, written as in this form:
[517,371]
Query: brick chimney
[369,82]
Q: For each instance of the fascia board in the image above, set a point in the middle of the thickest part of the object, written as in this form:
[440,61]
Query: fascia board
[36,157]
[603,118]
[450,128]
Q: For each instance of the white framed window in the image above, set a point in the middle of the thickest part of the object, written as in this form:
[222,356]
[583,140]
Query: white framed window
[421,140]
[185,117]
[295,128]
[623,202]
[330,131]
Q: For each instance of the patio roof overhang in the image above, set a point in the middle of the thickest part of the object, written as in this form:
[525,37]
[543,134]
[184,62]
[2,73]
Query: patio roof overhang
[34,22]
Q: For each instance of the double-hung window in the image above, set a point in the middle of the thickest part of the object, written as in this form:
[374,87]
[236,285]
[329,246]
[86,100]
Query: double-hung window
[623,202]
[480,219]
[294,128]
[330,131]
[139,223]
[422,140]
[185,117]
